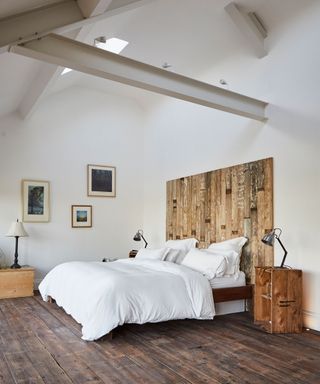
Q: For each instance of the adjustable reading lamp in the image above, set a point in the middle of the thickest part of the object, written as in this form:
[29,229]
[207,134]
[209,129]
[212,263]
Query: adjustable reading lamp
[138,236]
[269,240]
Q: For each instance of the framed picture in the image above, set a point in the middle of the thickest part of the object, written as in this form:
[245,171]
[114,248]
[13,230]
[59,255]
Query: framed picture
[101,180]
[81,216]
[35,201]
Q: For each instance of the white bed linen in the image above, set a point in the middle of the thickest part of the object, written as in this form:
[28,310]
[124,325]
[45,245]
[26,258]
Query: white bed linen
[237,280]
[101,296]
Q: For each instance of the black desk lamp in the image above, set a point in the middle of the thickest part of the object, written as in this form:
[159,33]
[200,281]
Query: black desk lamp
[138,236]
[269,240]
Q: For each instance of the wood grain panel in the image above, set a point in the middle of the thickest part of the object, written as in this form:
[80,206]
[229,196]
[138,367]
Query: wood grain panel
[40,339]
[223,204]
[16,282]
[222,295]
[278,294]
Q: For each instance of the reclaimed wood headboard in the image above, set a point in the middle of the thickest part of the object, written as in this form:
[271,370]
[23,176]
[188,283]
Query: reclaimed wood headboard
[222,204]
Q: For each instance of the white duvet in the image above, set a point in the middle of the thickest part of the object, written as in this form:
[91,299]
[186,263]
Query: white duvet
[101,296]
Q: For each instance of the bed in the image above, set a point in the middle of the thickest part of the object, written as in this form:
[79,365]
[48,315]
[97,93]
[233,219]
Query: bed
[101,296]
[230,203]
[180,282]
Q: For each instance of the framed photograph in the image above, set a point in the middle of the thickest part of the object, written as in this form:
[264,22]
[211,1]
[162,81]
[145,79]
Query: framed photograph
[35,201]
[101,180]
[81,216]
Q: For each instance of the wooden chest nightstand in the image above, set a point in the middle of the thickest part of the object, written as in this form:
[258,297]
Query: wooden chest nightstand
[16,282]
[277,299]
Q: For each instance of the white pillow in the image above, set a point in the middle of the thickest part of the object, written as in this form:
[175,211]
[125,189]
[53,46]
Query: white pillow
[235,244]
[152,254]
[209,264]
[175,255]
[185,244]
[225,248]
[232,259]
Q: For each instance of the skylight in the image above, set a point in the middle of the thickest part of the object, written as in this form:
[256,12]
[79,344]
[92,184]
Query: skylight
[113,44]
[66,70]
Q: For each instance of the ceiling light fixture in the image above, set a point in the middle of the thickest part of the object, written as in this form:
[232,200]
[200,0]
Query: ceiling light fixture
[113,44]
[166,65]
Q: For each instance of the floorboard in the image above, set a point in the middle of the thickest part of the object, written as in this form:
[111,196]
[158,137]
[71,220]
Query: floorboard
[40,343]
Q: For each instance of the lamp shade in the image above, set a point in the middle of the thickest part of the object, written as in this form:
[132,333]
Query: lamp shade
[269,238]
[139,236]
[17,230]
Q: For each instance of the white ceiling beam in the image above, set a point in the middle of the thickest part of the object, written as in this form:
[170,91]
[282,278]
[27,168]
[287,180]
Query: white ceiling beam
[91,8]
[85,58]
[46,76]
[48,73]
[248,28]
[38,22]
[58,18]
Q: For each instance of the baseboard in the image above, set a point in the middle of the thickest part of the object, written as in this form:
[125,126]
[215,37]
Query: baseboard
[311,320]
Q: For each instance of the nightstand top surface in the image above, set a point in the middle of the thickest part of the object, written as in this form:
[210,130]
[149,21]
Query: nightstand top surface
[277,268]
[22,269]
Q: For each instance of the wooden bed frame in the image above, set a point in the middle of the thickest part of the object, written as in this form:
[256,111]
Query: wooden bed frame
[221,295]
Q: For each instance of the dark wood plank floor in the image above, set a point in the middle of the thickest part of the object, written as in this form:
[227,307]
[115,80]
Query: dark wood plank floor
[39,343]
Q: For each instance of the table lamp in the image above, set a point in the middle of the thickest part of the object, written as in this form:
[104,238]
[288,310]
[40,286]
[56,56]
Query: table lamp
[138,236]
[269,240]
[16,230]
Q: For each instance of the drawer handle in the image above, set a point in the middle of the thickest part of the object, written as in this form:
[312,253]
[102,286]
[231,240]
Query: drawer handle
[287,301]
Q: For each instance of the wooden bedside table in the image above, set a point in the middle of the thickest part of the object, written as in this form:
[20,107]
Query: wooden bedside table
[16,282]
[277,299]
[133,253]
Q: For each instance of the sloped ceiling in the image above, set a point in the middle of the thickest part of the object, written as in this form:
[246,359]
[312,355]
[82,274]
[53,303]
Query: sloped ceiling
[192,36]
[12,7]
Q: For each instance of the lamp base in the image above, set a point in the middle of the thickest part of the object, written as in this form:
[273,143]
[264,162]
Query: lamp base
[15,266]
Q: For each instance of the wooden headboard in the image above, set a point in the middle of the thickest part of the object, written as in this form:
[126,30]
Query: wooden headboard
[222,204]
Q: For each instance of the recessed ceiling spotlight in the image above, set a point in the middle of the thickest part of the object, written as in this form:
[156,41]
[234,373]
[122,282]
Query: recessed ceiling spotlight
[166,65]
[99,40]
[113,44]
[223,82]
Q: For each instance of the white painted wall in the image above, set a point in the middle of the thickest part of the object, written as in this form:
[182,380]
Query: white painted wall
[183,139]
[67,132]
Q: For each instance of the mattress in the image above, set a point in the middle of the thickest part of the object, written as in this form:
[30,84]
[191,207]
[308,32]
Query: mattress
[229,281]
